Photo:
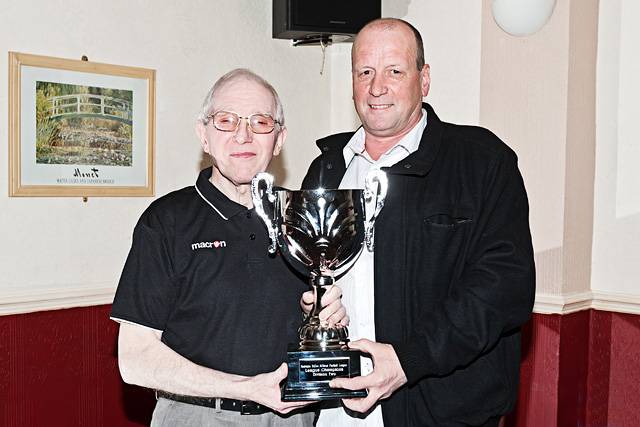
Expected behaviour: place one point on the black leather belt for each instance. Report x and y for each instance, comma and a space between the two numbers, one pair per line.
245, 407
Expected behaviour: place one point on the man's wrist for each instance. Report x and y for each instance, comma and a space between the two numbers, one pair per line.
241, 388
412, 365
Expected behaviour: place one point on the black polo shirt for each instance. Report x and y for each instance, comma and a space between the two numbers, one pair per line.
199, 271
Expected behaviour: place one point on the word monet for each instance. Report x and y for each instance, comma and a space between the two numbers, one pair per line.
92, 173
214, 244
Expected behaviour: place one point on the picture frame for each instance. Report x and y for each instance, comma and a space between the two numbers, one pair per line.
80, 128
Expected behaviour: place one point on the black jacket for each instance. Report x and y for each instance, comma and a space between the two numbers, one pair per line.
454, 273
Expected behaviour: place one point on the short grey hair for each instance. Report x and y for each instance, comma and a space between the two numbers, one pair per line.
239, 73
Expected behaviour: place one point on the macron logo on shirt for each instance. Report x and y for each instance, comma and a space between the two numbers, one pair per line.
215, 244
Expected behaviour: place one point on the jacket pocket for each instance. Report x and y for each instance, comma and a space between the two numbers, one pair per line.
444, 238
448, 218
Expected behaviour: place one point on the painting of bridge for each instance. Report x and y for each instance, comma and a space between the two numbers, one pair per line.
83, 125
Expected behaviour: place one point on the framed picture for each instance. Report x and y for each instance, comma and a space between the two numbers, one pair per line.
78, 128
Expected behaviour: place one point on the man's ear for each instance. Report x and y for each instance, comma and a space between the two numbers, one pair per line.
282, 136
425, 79
201, 132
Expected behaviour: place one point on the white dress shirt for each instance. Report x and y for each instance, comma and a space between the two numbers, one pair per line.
357, 283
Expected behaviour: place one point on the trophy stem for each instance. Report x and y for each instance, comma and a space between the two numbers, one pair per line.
319, 285
313, 334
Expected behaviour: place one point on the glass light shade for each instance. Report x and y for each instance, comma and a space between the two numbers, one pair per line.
522, 17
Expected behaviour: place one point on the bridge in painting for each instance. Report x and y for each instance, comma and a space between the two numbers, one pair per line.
88, 105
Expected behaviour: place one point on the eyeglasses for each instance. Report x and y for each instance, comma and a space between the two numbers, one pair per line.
228, 121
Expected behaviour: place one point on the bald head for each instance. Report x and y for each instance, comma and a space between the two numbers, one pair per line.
394, 24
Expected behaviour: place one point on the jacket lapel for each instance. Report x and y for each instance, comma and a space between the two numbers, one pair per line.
420, 162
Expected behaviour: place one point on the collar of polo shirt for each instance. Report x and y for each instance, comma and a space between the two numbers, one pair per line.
213, 197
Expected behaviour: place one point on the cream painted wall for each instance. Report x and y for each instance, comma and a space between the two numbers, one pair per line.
54, 246
342, 113
616, 245
451, 31
578, 152
524, 101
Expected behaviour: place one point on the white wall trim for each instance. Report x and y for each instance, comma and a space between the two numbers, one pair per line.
614, 301
39, 299
597, 300
562, 304
18, 301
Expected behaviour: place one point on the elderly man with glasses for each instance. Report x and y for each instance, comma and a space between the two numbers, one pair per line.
205, 314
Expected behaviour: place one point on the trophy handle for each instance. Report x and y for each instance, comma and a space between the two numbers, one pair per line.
259, 201
376, 184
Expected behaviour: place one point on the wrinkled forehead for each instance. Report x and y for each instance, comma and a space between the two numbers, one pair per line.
244, 96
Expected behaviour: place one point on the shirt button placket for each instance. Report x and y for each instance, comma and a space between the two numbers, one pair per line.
252, 236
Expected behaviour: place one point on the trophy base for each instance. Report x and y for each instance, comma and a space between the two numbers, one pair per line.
311, 370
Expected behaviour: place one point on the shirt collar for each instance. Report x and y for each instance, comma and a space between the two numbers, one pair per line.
220, 203
410, 142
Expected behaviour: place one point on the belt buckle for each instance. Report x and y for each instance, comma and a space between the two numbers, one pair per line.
248, 407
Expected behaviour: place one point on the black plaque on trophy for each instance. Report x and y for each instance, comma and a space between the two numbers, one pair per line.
320, 233
311, 371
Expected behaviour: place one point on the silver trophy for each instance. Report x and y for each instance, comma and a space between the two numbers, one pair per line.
321, 234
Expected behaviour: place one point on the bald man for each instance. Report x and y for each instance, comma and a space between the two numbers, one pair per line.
439, 302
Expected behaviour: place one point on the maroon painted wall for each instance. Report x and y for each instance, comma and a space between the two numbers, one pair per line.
597, 412
573, 369
580, 369
59, 368
624, 377
538, 396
